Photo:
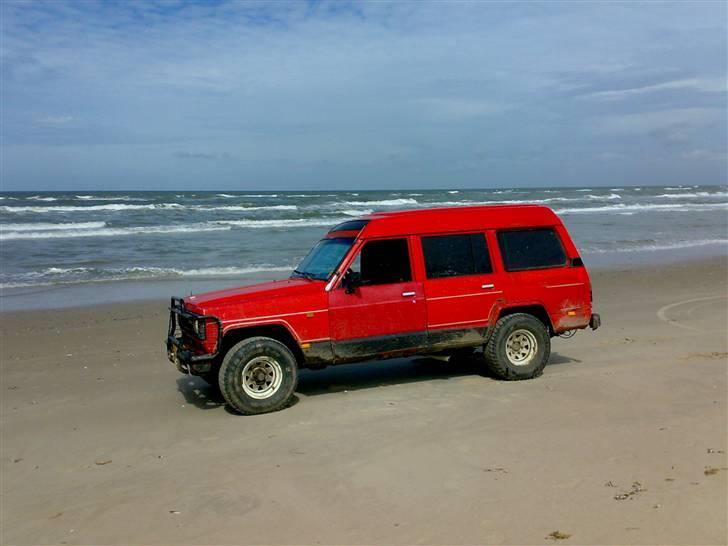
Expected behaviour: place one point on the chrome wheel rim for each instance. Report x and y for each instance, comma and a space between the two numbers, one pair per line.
262, 377
521, 347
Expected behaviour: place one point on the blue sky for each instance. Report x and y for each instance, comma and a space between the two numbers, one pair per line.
327, 95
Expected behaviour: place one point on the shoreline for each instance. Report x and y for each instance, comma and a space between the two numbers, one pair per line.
67, 296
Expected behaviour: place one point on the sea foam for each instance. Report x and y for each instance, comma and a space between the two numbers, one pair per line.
42, 226
111, 232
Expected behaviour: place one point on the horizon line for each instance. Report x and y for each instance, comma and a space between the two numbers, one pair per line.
247, 190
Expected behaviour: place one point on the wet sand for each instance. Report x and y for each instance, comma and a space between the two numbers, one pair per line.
622, 440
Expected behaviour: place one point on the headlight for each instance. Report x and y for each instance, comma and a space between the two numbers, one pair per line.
199, 328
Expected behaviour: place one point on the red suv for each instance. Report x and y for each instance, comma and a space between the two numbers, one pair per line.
432, 281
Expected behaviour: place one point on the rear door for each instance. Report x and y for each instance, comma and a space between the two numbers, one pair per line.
386, 314
460, 286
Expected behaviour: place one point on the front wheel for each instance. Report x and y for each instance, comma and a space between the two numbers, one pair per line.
258, 375
518, 348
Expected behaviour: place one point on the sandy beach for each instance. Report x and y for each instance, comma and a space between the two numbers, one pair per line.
622, 440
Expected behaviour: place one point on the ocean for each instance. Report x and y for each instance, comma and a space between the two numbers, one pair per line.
70, 248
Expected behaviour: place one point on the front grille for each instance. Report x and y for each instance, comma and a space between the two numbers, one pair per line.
182, 328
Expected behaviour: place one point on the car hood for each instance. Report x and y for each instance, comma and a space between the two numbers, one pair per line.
208, 303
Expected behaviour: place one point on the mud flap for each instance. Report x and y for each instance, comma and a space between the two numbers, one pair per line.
595, 321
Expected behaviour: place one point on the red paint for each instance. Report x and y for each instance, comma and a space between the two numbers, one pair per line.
311, 313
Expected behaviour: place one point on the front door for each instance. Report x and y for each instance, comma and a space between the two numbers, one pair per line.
386, 313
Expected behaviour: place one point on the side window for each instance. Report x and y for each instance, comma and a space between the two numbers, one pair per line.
383, 262
455, 255
531, 249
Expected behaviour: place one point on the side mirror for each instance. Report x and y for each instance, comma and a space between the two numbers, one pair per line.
351, 281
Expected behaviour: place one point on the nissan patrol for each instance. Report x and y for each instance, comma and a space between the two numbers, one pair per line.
505, 278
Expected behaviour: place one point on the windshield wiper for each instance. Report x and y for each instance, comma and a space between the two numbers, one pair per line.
306, 275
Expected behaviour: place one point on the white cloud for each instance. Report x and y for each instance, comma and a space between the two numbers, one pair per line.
462, 108
611, 156
647, 122
55, 120
693, 84
705, 155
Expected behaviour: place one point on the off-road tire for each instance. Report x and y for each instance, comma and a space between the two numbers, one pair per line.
497, 360
266, 351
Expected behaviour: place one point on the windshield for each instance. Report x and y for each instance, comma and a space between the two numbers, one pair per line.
323, 259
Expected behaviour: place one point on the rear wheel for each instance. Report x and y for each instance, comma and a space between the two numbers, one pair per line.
518, 348
258, 375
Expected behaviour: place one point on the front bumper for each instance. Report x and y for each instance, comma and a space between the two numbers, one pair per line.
595, 321
178, 351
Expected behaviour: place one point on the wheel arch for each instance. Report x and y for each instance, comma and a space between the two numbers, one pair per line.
276, 331
536, 309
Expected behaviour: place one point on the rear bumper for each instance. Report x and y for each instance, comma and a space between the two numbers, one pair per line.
595, 321
178, 352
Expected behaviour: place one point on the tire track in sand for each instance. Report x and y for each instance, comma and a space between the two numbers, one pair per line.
662, 312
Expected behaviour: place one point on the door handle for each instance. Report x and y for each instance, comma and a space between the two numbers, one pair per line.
490, 285
408, 294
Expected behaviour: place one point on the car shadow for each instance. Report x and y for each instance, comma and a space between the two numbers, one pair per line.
557, 358
359, 376
376, 373
370, 374
197, 392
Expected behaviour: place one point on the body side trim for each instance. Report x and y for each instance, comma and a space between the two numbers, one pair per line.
564, 285
446, 324
317, 340
372, 304
465, 295
248, 319
278, 322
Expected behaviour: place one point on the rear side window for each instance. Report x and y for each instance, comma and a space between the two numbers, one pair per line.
531, 249
455, 255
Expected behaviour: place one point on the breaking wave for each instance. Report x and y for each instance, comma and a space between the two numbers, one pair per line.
152, 206
109, 198
352, 212
75, 275
609, 197
382, 203
693, 195
273, 224
664, 246
42, 226
242, 208
621, 208
110, 232
77, 208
